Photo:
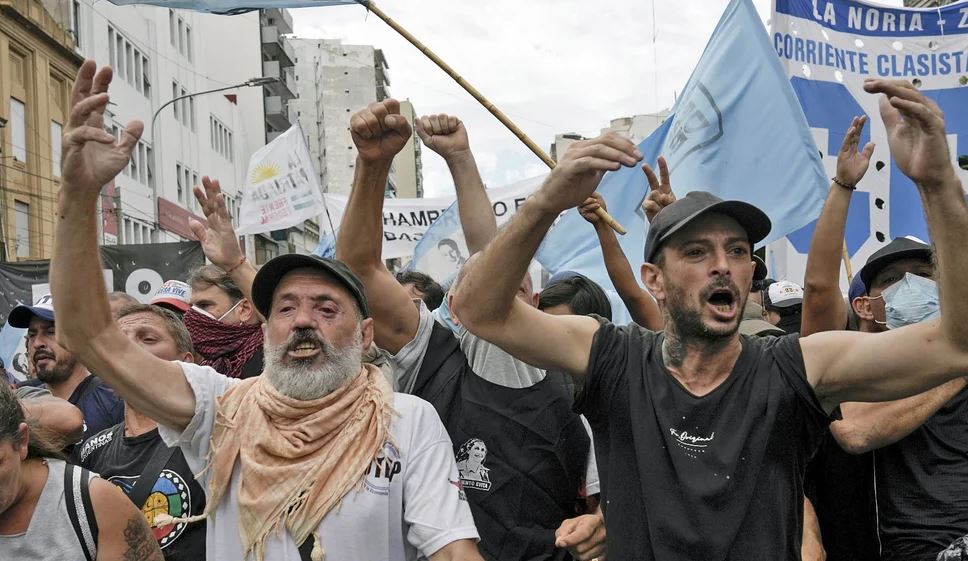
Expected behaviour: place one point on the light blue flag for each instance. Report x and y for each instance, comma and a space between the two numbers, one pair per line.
238, 6
737, 131
13, 351
327, 246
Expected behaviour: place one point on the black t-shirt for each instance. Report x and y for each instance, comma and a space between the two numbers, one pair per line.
521, 452
717, 477
922, 486
121, 460
841, 487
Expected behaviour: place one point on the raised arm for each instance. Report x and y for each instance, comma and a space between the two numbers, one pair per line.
641, 306
56, 415
446, 135
91, 158
379, 132
484, 299
219, 240
902, 362
869, 426
823, 305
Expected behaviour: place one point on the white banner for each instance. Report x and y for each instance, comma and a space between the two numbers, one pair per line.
828, 48
281, 188
406, 220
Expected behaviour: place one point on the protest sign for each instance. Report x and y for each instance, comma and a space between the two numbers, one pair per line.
827, 49
138, 270
406, 220
281, 188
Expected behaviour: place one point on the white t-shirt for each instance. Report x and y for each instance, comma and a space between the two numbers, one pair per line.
409, 506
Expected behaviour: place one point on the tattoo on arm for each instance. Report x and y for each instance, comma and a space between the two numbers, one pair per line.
140, 544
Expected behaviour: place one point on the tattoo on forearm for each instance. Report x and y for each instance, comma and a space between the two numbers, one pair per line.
140, 543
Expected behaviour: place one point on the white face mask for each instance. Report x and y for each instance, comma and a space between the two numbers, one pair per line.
220, 318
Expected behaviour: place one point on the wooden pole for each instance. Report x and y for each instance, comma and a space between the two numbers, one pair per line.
846, 257
372, 7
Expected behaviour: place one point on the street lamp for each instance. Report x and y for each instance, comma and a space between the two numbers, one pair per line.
251, 82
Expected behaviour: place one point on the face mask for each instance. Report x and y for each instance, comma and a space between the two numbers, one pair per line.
210, 316
911, 300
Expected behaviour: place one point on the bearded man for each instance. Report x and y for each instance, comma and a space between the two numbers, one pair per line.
316, 458
702, 434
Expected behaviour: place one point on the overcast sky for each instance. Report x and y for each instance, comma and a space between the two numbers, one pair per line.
553, 66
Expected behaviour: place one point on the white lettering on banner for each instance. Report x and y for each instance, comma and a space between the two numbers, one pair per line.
827, 63
406, 220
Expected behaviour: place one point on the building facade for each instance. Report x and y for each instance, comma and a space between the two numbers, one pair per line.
635, 128
407, 166
38, 62
334, 80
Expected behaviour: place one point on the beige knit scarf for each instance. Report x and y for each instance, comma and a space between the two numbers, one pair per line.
297, 458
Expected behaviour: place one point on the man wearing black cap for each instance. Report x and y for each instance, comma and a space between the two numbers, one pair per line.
317, 457
61, 372
920, 470
702, 435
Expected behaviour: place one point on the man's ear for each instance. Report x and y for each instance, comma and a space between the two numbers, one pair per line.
187, 357
652, 279
246, 311
535, 298
862, 307
450, 308
366, 327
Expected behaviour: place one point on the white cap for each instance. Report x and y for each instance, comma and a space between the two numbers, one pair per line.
174, 294
784, 293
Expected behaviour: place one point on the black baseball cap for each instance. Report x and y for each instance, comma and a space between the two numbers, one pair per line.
760, 272
899, 248
272, 272
674, 217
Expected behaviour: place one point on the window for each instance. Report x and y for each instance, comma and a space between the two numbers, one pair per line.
177, 104
18, 129
191, 111
221, 139
181, 186
129, 63
112, 49
56, 131
181, 35
188, 42
22, 228
172, 29
76, 21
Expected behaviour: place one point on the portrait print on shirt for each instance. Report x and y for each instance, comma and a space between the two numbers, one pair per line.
470, 465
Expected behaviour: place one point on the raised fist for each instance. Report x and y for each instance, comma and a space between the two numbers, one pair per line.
379, 131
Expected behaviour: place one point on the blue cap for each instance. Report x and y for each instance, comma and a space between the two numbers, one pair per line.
42, 308
856, 290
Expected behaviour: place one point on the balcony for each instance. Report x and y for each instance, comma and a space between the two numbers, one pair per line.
276, 46
382, 76
285, 86
277, 113
278, 17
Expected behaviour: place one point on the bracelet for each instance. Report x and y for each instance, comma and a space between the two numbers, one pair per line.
844, 184
239, 264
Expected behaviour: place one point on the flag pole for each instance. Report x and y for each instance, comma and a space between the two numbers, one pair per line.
372, 7
845, 255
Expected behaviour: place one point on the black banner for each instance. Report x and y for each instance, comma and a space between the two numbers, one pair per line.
139, 270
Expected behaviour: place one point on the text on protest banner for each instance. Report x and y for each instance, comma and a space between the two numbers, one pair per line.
406, 220
827, 49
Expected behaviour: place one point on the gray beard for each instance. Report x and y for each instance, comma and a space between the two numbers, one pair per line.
306, 381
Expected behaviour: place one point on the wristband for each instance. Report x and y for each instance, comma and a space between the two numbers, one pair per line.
239, 264
844, 184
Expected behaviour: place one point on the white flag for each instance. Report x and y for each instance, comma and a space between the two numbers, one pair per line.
281, 187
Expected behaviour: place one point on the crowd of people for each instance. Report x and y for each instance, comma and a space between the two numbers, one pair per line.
320, 408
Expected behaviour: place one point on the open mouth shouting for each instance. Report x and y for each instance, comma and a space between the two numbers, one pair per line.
304, 345
723, 303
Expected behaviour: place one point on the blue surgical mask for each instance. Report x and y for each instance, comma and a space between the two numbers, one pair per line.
911, 300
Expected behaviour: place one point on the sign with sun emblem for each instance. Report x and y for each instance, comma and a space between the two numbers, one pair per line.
282, 188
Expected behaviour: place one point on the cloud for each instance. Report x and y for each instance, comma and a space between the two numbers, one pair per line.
552, 66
